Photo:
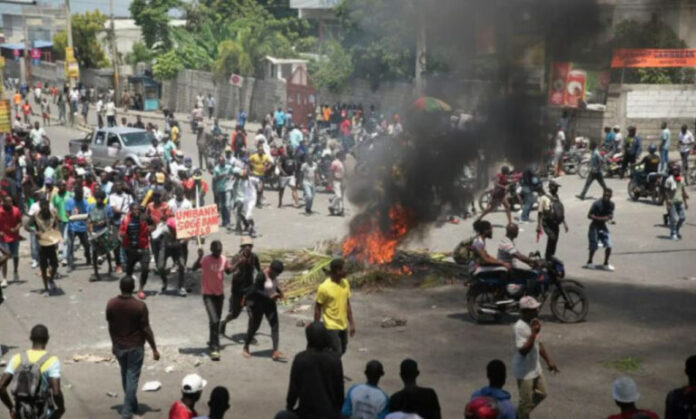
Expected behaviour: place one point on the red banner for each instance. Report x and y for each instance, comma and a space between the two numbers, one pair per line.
642, 58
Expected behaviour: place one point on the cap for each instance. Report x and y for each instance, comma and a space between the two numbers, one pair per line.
246, 241
159, 177
228, 149
625, 390
529, 303
192, 383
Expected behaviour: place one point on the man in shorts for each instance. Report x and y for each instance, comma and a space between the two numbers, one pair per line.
601, 213
10, 223
259, 163
288, 171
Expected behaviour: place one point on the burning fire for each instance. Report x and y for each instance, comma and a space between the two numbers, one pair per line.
369, 243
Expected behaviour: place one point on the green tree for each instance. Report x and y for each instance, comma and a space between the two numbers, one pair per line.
153, 18
88, 51
167, 65
334, 67
139, 53
654, 34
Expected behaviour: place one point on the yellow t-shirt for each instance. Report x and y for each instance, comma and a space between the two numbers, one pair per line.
258, 164
333, 298
174, 133
49, 369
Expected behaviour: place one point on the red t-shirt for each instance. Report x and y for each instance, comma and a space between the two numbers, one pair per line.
629, 415
180, 411
159, 213
8, 220
212, 274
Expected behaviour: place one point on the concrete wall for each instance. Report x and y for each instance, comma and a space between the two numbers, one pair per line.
389, 97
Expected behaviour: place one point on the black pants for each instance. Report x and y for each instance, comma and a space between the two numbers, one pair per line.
591, 178
134, 256
551, 230
48, 256
84, 241
627, 159
338, 340
178, 255
258, 311
213, 306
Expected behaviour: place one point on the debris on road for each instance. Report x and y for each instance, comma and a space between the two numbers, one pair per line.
152, 386
91, 358
169, 369
111, 394
300, 308
302, 323
389, 322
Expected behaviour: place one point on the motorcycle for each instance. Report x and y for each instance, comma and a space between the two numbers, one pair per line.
513, 192
644, 184
492, 294
570, 161
611, 165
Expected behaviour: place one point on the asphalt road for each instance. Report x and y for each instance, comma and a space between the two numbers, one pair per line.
644, 311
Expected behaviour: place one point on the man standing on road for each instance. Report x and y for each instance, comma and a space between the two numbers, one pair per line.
367, 401
288, 173
676, 201
495, 371
337, 173
309, 180
10, 223
601, 212
259, 164
135, 240
214, 267
333, 307
210, 104
551, 216
422, 401
595, 171
49, 399
221, 177
686, 139
665, 140
681, 402
526, 365
632, 149
110, 112
560, 141
129, 328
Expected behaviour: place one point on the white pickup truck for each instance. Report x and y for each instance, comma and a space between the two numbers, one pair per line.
116, 143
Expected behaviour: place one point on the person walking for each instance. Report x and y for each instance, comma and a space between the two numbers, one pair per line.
495, 371
213, 269
58, 201
595, 171
551, 216
78, 210
676, 200
559, 140
99, 226
210, 104
681, 402
191, 389
625, 394
526, 364
43, 401
221, 176
413, 398
129, 329
245, 267
632, 149
665, 141
316, 378
261, 300
135, 240
332, 306
46, 223
10, 223
601, 213
309, 180
110, 112
530, 184
686, 141
337, 174
367, 401
287, 164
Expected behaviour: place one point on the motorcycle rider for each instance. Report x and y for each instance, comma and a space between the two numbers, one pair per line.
632, 149
482, 261
507, 252
651, 163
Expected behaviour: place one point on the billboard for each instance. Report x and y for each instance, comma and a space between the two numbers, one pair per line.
642, 58
573, 85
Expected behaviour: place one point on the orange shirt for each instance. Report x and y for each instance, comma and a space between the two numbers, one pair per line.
17, 98
327, 114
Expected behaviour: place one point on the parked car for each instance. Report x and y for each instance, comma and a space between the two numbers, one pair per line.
116, 143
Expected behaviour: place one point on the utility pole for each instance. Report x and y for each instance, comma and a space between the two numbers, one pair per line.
114, 54
23, 64
421, 48
68, 33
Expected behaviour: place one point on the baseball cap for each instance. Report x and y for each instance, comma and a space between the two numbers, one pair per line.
529, 303
192, 383
246, 241
159, 177
625, 390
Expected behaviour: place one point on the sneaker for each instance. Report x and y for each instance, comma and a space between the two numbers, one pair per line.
34, 264
589, 266
63, 262
215, 355
3, 283
182, 292
608, 267
15, 277
679, 236
223, 326
580, 197
674, 237
141, 295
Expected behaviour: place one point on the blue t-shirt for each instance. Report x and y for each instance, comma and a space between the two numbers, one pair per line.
600, 208
365, 401
82, 208
609, 139
279, 117
241, 118
288, 118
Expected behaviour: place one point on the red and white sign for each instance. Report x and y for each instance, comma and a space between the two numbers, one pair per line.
236, 80
197, 222
35, 54
15, 53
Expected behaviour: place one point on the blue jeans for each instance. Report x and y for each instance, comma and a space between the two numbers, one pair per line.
131, 362
664, 160
34, 241
221, 198
676, 217
308, 190
64, 234
528, 198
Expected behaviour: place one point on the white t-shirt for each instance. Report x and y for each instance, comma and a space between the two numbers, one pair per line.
74, 95
100, 105
37, 136
110, 109
685, 141
175, 205
365, 401
120, 202
619, 142
506, 250
560, 140
525, 367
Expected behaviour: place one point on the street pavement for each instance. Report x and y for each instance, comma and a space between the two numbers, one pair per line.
642, 314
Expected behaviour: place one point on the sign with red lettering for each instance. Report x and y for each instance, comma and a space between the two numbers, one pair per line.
35, 54
197, 222
642, 58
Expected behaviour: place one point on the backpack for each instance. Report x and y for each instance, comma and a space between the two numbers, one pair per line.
31, 401
463, 254
556, 213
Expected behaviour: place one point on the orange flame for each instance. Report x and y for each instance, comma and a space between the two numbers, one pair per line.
370, 244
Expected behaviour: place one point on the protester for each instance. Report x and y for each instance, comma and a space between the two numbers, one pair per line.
595, 171
495, 371
686, 141
210, 104
287, 165
601, 213
316, 378
46, 223
560, 141
632, 149
530, 184
259, 163
367, 401
551, 216
309, 180
245, 266
332, 306
129, 329
681, 402
10, 223
625, 394
191, 389
413, 398
676, 200
213, 268
134, 233
481, 260
99, 226
499, 195
665, 140
58, 201
337, 174
175, 249
218, 404
221, 177
526, 365
45, 400
261, 300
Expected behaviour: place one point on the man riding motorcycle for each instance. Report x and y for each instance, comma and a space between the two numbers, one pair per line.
482, 261
507, 253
